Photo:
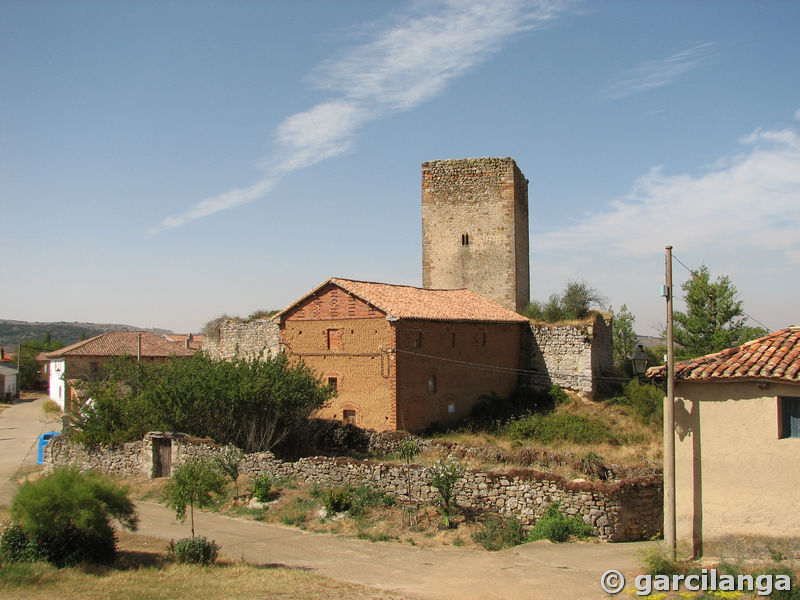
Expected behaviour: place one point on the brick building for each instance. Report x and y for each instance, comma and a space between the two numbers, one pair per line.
403, 357
88, 359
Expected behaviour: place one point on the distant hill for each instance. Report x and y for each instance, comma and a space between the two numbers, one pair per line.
14, 332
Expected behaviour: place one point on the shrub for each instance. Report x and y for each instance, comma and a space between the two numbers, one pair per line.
443, 477
656, 561
498, 533
194, 550
262, 488
557, 527
228, 461
560, 427
67, 518
337, 500
646, 400
15, 544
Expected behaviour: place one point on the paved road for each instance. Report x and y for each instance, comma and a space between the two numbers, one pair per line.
20, 427
530, 572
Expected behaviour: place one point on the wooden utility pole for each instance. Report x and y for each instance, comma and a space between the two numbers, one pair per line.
669, 423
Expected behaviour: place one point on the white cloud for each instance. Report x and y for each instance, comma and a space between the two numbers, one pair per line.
739, 217
658, 73
752, 197
404, 63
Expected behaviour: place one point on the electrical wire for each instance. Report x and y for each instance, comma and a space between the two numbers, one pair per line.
695, 274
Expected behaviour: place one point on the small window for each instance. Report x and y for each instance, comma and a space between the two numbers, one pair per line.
789, 417
432, 384
465, 239
416, 339
452, 339
349, 416
334, 339
94, 367
333, 382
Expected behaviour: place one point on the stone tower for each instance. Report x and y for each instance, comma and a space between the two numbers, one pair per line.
475, 228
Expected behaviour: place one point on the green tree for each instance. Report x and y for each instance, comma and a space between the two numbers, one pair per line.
714, 319
67, 516
29, 367
229, 461
624, 338
194, 483
252, 404
573, 303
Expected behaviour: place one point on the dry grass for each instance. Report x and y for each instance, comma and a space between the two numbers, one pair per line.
143, 571
51, 409
748, 547
638, 444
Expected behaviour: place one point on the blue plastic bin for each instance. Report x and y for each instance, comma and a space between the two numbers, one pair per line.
44, 439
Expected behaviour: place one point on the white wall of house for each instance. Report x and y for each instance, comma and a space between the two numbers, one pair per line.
57, 384
735, 475
9, 385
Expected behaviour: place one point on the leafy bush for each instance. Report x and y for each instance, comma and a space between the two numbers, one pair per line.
194, 550
15, 544
262, 488
228, 460
492, 412
337, 500
253, 404
65, 518
656, 561
498, 533
557, 527
647, 401
443, 477
559, 427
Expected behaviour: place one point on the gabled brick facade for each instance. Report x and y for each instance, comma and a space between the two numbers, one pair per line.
403, 372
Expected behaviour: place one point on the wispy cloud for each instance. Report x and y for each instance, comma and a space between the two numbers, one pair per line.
654, 74
405, 62
751, 197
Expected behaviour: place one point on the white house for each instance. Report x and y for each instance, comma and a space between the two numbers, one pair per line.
8, 382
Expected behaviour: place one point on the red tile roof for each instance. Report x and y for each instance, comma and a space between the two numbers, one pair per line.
775, 356
120, 343
195, 341
408, 302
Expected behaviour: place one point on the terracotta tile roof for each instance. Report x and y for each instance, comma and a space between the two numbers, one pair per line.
775, 356
408, 302
195, 341
119, 343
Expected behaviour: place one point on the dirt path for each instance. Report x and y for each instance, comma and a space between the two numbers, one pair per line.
20, 427
533, 571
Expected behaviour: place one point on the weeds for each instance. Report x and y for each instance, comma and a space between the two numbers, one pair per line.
498, 533
557, 527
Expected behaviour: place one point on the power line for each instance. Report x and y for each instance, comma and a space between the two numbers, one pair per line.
695, 274
514, 370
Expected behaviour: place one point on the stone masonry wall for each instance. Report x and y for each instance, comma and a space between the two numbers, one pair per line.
245, 339
619, 511
570, 356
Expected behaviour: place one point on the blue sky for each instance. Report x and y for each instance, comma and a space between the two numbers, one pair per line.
162, 163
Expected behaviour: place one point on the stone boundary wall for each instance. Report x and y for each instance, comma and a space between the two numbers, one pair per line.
569, 356
245, 339
618, 511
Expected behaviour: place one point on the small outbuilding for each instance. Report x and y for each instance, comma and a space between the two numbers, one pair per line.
737, 420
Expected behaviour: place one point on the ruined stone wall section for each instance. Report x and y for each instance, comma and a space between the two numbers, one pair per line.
246, 339
486, 200
569, 356
619, 511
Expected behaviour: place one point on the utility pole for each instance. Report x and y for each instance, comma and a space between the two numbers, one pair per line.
669, 422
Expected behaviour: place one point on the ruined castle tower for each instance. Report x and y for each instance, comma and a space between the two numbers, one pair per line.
475, 228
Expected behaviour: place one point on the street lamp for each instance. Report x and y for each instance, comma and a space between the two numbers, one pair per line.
639, 361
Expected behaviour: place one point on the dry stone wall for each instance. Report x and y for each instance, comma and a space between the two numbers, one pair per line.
246, 339
619, 511
569, 356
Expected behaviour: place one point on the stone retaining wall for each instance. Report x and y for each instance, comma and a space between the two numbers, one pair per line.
618, 511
